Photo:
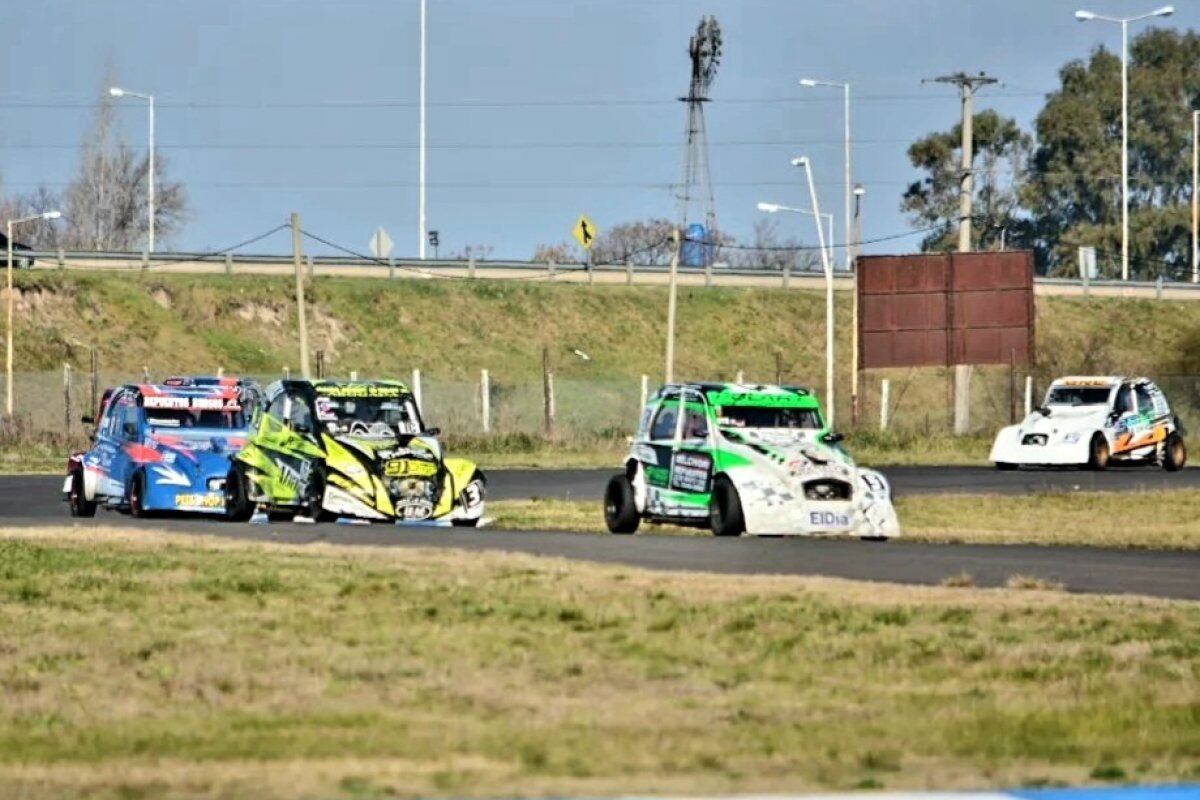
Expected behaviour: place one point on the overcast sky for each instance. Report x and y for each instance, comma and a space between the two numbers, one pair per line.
539, 109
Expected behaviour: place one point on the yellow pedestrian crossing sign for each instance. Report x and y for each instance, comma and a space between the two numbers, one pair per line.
585, 232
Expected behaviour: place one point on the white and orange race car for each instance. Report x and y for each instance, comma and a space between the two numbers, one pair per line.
1094, 421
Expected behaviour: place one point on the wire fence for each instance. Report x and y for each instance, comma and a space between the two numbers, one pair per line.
50, 405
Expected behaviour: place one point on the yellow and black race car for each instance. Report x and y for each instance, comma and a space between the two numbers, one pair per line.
350, 449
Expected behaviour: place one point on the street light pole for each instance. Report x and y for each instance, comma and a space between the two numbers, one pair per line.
116, 91
1085, 16
421, 156
8, 361
845, 87
803, 161
859, 192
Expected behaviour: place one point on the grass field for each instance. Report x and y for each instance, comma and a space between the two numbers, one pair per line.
137, 665
1158, 520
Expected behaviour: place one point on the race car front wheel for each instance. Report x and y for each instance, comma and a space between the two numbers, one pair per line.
137, 496
1174, 454
238, 506
77, 500
620, 508
725, 509
1098, 453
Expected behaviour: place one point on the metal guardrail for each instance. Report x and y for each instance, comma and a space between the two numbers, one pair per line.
514, 269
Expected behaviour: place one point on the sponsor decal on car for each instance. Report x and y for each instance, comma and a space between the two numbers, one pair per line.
690, 472
828, 520
207, 500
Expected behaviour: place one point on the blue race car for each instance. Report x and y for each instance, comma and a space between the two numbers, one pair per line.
160, 447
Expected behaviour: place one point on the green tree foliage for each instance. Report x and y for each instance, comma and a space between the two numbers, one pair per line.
1074, 186
1000, 150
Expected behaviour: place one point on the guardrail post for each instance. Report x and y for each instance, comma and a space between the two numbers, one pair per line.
707, 273
471, 267
1158, 287
885, 391
550, 269
309, 261
787, 275
229, 263
145, 259
391, 266
629, 273
62, 259
485, 400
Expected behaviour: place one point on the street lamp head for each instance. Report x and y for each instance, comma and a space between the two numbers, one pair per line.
859, 190
770, 208
1165, 11
800, 161
51, 214
1084, 16
116, 91
809, 82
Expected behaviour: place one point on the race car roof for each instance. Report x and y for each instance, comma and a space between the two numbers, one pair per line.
730, 394
207, 398
1088, 380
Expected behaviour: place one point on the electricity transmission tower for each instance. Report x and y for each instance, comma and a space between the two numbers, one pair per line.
696, 191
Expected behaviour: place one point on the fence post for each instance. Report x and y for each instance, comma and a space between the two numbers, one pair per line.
287, 373
1012, 386
485, 400
320, 365
416, 389
220, 372
145, 374
707, 272
787, 274
778, 368
962, 399
885, 391
628, 273
145, 259
741, 377
353, 374
391, 266
95, 382
311, 268
645, 392
471, 266
550, 269
67, 398
62, 259
1028, 394
1158, 287
547, 392
229, 263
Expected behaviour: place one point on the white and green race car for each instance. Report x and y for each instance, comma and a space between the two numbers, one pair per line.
745, 459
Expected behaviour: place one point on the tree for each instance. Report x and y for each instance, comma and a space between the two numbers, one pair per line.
640, 242
561, 253
771, 251
1074, 186
105, 205
1000, 151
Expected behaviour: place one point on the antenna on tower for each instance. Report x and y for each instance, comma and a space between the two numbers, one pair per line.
696, 192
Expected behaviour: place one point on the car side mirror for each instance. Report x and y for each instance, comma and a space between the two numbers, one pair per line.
431, 432
833, 437
87, 419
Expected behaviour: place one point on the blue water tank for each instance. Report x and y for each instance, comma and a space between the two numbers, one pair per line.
697, 249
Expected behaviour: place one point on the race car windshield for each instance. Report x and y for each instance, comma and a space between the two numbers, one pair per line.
183, 418
1078, 396
366, 415
760, 417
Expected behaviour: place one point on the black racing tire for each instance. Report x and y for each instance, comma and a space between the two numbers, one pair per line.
280, 515
137, 495
311, 506
1005, 466
725, 509
620, 508
238, 506
1174, 455
77, 500
465, 523
1099, 453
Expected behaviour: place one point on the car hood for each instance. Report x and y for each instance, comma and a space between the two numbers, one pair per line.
197, 453
1066, 418
798, 453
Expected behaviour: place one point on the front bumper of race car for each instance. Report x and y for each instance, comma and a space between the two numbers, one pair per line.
777, 507
196, 489
1058, 451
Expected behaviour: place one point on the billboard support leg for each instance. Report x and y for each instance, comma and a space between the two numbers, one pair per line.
962, 399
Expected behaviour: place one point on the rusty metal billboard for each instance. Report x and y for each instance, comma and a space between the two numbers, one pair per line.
940, 309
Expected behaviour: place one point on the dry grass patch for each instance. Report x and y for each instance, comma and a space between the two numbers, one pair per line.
139, 664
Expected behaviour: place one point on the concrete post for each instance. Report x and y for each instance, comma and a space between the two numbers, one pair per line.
962, 399
1028, 394
416, 388
485, 400
885, 399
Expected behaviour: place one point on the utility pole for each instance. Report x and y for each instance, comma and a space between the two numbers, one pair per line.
1195, 199
967, 85
669, 369
300, 318
421, 156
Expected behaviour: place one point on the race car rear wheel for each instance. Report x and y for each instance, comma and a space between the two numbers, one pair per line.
77, 500
238, 506
725, 509
1005, 466
620, 507
1098, 453
137, 495
1174, 455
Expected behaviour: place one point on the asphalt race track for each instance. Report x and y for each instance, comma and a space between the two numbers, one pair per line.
35, 500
